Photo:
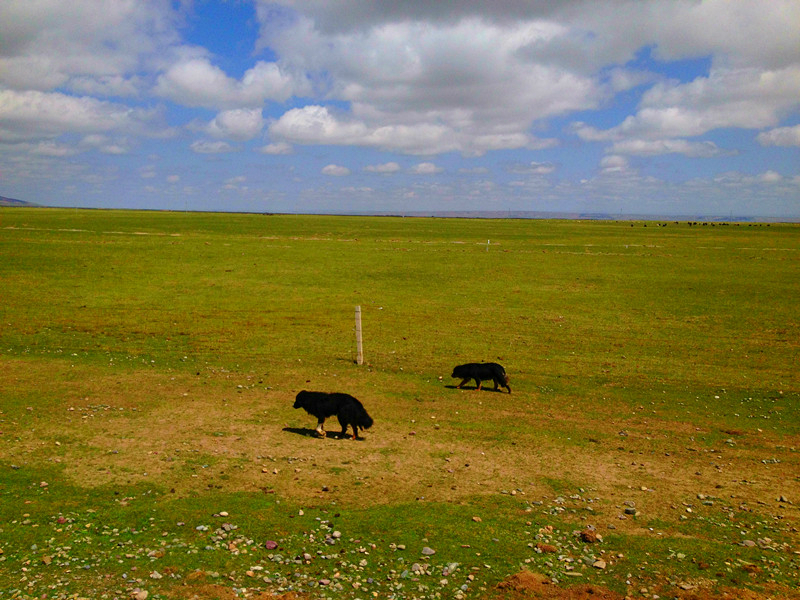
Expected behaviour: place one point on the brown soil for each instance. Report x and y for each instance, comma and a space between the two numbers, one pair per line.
528, 586
232, 432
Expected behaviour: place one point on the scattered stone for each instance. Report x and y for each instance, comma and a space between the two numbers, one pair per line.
428, 551
549, 548
748, 543
140, 594
270, 545
599, 564
590, 536
477, 519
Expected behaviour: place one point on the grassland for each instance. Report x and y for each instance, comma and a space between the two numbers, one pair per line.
148, 363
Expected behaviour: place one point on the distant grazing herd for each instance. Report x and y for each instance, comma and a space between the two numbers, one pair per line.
351, 412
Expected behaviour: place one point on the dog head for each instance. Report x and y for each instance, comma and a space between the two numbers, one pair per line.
460, 371
299, 401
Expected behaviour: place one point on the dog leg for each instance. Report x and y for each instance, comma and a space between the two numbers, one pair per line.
460, 385
320, 428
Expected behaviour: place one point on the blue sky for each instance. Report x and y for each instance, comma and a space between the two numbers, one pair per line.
616, 106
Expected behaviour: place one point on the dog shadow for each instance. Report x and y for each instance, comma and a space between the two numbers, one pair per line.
312, 433
473, 388
302, 431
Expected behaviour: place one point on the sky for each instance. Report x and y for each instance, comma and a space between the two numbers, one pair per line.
352, 106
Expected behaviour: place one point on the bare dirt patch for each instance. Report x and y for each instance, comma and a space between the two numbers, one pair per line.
526, 585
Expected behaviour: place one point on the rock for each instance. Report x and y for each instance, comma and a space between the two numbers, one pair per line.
599, 564
428, 551
270, 545
784, 499
549, 548
477, 519
449, 569
140, 594
590, 537
748, 543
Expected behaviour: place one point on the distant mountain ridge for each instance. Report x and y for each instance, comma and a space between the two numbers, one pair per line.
504, 214
14, 202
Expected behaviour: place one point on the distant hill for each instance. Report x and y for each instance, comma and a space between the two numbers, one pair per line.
12, 202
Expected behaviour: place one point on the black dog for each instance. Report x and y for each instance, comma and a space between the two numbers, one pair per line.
481, 372
323, 405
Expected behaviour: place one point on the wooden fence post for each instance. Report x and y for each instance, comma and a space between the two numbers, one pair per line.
359, 343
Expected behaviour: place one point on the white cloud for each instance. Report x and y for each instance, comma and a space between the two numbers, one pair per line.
385, 168
734, 179
33, 114
335, 171
782, 136
276, 148
318, 125
534, 168
636, 147
173, 178
238, 124
426, 168
206, 147
105, 144
196, 82
473, 78
90, 46
315, 124
461, 85
770, 177
742, 98
54, 149
107, 85
614, 164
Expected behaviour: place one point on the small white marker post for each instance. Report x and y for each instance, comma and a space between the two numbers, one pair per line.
359, 343
487, 244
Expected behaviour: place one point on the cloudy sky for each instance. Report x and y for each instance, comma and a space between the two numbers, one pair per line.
620, 106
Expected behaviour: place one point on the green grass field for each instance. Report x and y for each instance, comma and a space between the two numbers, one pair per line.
149, 361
